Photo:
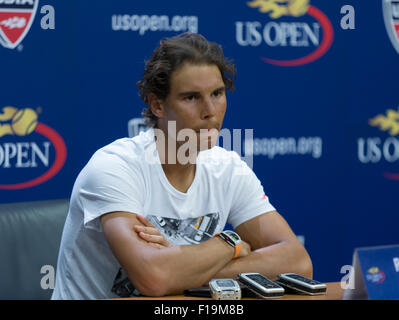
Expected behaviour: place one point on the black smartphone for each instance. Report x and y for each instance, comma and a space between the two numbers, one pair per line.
301, 284
260, 285
198, 292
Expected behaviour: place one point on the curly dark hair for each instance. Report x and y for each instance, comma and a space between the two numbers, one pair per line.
170, 55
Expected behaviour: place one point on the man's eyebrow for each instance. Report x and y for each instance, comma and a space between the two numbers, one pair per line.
193, 93
220, 88
188, 93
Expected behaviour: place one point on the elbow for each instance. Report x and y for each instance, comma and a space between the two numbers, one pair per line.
152, 283
305, 266
299, 261
151, 289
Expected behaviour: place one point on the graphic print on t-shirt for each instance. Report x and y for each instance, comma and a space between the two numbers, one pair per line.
192, 230
177, 232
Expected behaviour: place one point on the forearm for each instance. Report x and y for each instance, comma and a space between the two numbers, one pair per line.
282, 257
189, 266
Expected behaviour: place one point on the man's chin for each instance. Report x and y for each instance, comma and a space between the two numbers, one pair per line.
207, 139
206, 148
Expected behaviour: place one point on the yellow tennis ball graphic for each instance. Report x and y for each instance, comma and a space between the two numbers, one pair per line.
24, 122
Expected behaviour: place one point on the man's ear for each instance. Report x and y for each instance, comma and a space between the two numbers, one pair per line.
156, 105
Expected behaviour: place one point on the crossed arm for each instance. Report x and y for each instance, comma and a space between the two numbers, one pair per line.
156, 268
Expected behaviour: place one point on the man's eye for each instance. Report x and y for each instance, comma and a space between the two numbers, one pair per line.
218, 93
189, 98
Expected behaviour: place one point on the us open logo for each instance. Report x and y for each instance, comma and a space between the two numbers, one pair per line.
391, 19
16, 18
375, 275
31, 152
294, 31
382, 150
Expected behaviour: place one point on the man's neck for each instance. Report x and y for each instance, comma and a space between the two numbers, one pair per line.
179, 175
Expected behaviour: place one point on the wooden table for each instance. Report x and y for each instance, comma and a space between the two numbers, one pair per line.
334, 292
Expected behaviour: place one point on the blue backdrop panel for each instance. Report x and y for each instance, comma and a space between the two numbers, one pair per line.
322, 101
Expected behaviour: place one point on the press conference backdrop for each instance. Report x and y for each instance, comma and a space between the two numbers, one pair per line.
317, 82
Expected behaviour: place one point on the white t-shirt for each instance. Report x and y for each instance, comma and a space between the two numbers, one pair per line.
126, 175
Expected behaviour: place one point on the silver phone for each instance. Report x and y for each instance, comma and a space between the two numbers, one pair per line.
260, 285
225, 289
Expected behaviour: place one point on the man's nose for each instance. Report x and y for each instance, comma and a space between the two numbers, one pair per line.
208, 108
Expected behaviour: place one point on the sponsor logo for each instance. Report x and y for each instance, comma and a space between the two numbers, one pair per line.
290, 24
16, 18
375, 275
285, 146
382, 150
19, 153
388, 122
391, 19
144, 23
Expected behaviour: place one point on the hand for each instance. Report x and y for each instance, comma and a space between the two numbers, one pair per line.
245, 249
148, 232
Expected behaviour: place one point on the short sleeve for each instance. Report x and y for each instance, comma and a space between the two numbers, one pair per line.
249, 199
109, 184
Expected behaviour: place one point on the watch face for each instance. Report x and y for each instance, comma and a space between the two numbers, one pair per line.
233, 235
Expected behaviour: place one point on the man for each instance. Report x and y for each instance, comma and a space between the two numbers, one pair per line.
139, 225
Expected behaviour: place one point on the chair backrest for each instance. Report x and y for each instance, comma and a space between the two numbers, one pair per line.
30, 236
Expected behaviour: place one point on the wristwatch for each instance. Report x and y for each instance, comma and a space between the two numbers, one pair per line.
233, 239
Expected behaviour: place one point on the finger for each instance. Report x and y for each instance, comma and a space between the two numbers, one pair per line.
156, 245
145, 221
151, 238
152, 244
155, 239
149, 230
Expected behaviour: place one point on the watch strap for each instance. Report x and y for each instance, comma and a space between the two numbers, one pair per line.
237, 247
237, 250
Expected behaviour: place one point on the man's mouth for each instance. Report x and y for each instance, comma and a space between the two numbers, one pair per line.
205, 130
206, 134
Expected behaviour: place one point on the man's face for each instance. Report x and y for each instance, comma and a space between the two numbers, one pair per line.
196, 101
